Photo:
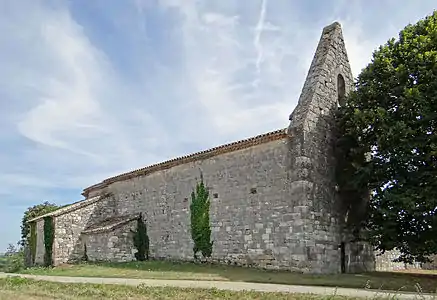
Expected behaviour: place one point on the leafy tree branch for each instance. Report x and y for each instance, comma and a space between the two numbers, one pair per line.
392, 116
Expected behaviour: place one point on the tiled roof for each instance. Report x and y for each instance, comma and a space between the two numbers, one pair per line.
67, 209
242, 144
110, 224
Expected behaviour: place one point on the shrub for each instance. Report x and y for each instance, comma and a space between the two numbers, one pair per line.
49, 236
141, 240
200, 227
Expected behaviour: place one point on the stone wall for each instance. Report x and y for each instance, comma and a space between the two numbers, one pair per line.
252, 218
111, 245
68, 245
255, 216
384, 262
359, 258
40, 249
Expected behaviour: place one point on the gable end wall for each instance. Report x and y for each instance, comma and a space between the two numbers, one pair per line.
68, 243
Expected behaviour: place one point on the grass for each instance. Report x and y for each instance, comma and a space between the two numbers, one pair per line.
27, 289
395, 281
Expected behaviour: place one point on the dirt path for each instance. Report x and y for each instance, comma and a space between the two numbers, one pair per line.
232, 286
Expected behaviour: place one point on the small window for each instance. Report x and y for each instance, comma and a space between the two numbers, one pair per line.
253, 190
215, 195
341, 90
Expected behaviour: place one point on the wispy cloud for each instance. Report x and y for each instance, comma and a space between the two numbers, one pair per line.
223, 54
88, 90
70, 97
258, 31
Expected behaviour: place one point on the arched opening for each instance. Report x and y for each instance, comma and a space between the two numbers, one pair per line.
341, 90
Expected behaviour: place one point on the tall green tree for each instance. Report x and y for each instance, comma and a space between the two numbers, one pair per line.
200, 224
33, 212
388, 142
141, 240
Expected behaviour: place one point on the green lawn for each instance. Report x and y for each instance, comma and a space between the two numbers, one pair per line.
26, 289
188, 271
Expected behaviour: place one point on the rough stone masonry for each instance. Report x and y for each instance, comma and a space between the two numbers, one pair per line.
273, 197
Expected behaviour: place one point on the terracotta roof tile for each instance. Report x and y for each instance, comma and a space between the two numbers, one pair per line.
242, 144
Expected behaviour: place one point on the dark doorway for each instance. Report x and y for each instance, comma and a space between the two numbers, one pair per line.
343, 257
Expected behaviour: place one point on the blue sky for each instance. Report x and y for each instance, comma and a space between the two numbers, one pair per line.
93, 88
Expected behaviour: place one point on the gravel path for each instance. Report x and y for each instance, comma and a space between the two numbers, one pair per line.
232, 286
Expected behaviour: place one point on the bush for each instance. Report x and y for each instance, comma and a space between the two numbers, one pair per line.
200, 224
11, 263
141, 240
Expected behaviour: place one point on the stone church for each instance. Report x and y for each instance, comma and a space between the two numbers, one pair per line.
273, 196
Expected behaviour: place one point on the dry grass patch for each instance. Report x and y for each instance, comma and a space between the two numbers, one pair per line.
20, 288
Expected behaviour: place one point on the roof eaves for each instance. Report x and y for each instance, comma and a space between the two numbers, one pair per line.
64, 210
226, 148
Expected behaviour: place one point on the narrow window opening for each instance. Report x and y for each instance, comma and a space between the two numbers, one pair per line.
341, 90
253, 190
